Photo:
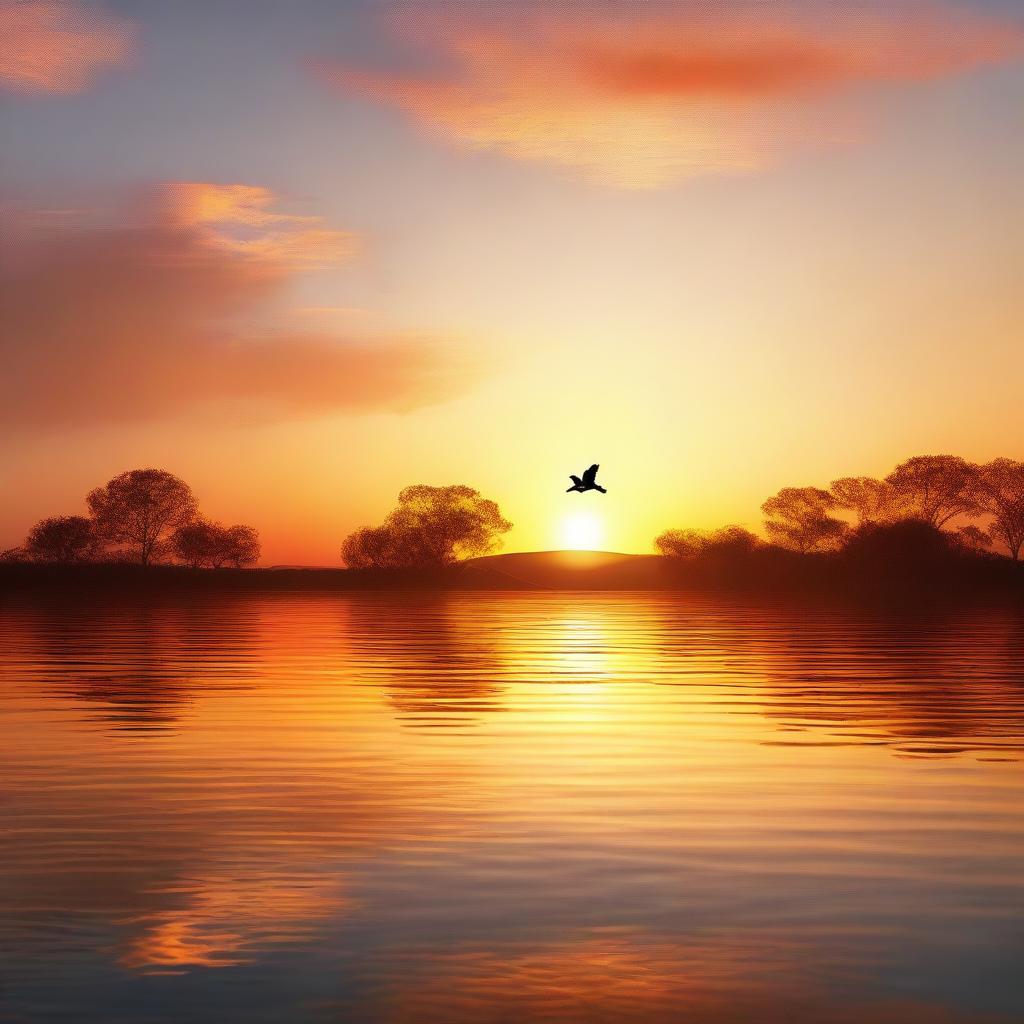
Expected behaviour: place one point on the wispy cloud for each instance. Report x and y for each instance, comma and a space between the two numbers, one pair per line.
243, 219
140, 319
56, 46
642, 99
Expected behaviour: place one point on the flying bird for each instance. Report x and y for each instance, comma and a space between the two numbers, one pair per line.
587, 482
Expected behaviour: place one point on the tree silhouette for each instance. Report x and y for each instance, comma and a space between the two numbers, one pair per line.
431, 527
681, 543
374, 547
728, 541
1000, 493
205, 543
61, 539
936, 488
242, 546
974, 538
798, 518
193, 542
140, 509
871, 500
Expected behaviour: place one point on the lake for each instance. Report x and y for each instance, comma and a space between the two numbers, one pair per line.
509, 807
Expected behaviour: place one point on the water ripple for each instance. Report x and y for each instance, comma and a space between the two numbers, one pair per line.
508, 807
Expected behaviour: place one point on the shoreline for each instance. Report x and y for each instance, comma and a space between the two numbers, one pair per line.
817, 579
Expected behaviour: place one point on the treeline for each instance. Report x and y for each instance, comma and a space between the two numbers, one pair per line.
143, 517
929, 503
928, 509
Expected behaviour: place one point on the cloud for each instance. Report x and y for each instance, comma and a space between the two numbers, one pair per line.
142, 320
649, 98
241, 219
54, 46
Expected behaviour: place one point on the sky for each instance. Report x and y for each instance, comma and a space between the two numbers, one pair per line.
305, 254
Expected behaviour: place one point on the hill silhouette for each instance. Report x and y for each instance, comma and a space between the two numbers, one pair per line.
573, 570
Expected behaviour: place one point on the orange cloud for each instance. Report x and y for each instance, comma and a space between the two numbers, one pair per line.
141, 320
240, 219
54, 46
649, 99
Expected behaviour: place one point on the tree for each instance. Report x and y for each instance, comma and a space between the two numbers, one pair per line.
61, 539
733, 540
798, 518
194, 543
936, 488
681, 543
728, 541
431, 527
973, 538
242, 546
141, 509
374, 547
1000, 493
204, 543
871, 500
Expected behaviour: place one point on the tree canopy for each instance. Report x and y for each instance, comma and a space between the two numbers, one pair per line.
431, 527
870, 500
798, 518
1000, 493
935, 488
202, 543
61, 539
140, 509
724, 542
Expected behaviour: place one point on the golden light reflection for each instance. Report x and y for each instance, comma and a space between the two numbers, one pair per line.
609, 776
581, 648
226, 920
624, 976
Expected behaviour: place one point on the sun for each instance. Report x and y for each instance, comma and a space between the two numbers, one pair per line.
581, 531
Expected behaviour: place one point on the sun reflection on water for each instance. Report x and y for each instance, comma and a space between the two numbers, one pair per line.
581, 806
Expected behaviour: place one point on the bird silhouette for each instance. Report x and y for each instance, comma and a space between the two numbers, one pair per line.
586, 482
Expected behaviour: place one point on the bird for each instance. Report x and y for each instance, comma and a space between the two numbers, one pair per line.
587, 482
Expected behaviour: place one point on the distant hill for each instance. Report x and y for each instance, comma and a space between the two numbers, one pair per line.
569, 570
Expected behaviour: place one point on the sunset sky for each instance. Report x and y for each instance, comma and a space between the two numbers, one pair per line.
305, 253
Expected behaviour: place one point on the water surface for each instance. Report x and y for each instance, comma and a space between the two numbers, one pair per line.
490, 808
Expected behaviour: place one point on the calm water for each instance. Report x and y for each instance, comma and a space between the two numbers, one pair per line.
547, 807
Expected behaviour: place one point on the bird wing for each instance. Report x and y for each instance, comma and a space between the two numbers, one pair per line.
588, 476
576, 480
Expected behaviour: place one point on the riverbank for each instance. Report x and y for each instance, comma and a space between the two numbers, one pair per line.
767, 572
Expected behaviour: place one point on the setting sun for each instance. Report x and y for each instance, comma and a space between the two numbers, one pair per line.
581, 531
